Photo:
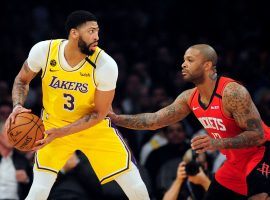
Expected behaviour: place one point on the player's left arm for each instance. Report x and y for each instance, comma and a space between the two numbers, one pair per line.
103, 101
106, 74
237, 101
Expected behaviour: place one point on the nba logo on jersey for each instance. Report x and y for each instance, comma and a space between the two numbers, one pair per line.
214, 107
53, 63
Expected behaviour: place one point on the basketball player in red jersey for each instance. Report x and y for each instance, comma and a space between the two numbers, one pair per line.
226, 110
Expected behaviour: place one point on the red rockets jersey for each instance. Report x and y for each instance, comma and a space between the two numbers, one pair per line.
239, 162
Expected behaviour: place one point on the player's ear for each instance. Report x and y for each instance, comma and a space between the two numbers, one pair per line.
74, 33
208, 65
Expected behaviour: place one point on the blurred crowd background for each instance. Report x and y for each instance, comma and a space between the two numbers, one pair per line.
148, 40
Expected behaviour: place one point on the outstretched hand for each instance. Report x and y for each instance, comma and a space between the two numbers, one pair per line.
50, 135
111, 114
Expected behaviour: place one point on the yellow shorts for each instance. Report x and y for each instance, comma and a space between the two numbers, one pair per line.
102, 144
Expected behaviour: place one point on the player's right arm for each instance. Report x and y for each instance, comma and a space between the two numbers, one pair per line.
34, 63
174, 112
21, 85
19, 92
237, 103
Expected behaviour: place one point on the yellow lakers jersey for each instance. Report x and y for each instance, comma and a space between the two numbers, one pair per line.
68, 95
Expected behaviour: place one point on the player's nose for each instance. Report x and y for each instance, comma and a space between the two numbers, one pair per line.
183, 65
96, 37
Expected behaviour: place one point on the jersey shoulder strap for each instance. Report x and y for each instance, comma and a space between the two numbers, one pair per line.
92, 59
223, 81
194, 95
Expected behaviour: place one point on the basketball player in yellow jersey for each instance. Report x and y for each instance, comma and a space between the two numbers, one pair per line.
78, 86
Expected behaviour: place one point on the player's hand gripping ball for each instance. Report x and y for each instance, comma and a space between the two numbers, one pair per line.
25, 131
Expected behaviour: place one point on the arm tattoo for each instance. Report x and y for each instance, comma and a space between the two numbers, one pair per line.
255, 124
19, 91
238, 102
20, 87
168, 115
80, 124
253, 136
89, 117
138, 122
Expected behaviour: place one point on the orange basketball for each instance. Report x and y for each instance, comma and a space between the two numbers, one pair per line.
25, 131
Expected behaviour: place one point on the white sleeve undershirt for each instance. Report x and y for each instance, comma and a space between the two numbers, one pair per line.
38, 56
106, 71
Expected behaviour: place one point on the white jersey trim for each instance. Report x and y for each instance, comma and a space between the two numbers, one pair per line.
106, 71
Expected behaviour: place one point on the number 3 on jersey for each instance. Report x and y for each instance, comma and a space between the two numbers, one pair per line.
69, 105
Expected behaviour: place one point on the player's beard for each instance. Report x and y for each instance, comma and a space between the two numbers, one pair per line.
196, 79
84, 48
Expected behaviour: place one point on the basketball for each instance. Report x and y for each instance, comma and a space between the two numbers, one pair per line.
25, 131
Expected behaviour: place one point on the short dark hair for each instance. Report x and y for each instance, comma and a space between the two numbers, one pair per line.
208, 52
78, 18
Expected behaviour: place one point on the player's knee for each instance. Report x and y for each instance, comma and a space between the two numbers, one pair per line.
140, 192
38, 192
261, 196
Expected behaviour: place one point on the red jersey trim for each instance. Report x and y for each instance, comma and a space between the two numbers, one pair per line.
224, 82
192, 97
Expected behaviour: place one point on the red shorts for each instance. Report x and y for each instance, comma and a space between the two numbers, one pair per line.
247, 179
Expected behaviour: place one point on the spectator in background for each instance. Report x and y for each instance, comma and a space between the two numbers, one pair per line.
159, 96
191, 185
141, 69
175, 148
4, 92
132, 93
5, 110
156, 141
195, 185
15, 170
